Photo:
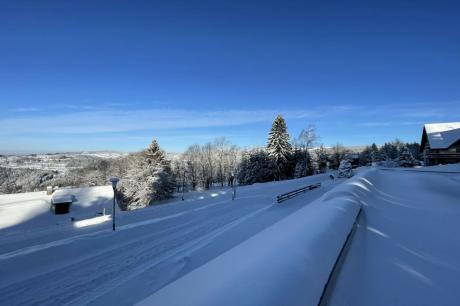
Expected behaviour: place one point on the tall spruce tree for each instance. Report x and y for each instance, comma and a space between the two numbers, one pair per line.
278, 146
154, 154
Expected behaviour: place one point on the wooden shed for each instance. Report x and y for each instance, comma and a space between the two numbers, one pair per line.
60, 203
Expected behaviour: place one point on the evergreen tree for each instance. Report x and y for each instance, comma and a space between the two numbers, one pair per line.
365, 157
301, 163
278, 146
390, 150
322, 158
256, 167
148, 179
301, 169
154, 155
405, 158
345, 169
414, 149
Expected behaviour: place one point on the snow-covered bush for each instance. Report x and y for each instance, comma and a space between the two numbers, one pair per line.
345, 169
149, 178
405, 158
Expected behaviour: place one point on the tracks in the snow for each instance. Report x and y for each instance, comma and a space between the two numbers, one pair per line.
80, 282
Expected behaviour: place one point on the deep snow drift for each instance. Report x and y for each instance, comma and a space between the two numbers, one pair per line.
406, 250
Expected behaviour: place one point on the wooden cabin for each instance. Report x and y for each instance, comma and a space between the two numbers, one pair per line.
441, 143
61, 202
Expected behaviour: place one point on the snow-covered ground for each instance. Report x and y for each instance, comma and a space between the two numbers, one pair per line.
210, 250
405, 250
46, 259
24, 212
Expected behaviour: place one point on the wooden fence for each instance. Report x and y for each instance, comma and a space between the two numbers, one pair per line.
286, 196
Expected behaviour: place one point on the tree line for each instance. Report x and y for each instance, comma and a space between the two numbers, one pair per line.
150, 176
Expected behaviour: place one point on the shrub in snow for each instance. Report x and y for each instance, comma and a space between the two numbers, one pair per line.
345, 169
405, 158
149, 178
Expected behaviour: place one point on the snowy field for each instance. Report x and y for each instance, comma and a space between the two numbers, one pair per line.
405, 250
210, 250
47, 260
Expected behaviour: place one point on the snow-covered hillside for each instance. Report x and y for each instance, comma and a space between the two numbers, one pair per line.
210, 250
50, 261
26, 173
59, 162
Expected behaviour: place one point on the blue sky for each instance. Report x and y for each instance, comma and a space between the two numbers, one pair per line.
95, 75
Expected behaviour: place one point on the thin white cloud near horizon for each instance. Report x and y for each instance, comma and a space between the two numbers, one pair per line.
104, 121
125, 129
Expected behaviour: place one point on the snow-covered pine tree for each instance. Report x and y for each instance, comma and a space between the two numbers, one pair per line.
301, 169
322, 158
148, 179
153, 154
375, 154
365, 156
345, 169
405, 158
256, 167
278, 146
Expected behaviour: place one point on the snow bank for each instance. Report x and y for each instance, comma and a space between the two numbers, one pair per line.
405, 250
286, 264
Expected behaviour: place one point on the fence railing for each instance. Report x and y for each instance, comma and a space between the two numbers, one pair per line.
286, 196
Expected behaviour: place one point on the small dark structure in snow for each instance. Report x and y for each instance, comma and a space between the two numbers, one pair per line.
441, 143
60, 203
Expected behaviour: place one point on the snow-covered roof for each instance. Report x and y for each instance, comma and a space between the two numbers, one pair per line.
62, 196
441, 135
